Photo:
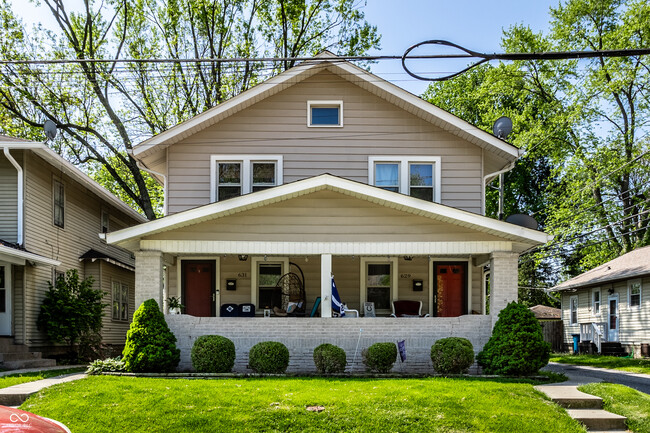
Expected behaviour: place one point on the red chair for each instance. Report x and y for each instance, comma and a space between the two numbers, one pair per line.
407, 309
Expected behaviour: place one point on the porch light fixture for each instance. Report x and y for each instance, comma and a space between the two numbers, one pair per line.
611, 290
408, 258
242, 257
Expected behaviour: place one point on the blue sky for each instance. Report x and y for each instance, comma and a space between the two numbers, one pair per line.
475, 24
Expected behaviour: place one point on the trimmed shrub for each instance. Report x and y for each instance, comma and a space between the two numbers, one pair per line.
110, 364
150, 345
329, 359
452, 355
380, 357
213, 354
517, 346
269, 357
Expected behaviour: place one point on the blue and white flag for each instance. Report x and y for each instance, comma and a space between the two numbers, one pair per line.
401, 347
337, 307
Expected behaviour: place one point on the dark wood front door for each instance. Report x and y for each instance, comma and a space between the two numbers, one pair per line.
198, 287
450, 296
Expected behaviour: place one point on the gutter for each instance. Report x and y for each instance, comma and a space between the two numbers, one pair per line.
20, 187
497, 173
145, 169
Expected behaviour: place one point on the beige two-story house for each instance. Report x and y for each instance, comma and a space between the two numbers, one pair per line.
327, 171
51, 215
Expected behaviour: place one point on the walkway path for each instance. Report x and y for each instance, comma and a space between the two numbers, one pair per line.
582, 374
17, 394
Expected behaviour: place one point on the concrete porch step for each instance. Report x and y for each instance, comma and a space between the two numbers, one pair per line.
569, 397
18, 356
598, 419
29, 363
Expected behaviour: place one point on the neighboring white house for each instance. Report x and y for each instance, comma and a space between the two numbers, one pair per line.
610, 303
330, 168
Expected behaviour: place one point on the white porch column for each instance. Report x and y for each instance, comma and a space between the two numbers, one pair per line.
148, 277
326, 285
504, 281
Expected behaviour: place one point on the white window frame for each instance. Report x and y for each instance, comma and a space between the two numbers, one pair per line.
255, 289
325, 104
363, 278
571, 299
56, 181
121, 286
246, 170
404, 163
631, 283
593, 301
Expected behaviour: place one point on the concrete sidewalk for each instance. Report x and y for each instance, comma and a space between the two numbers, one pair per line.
37, 369
17, 394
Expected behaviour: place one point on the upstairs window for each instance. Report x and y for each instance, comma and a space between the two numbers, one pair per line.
325, 113
233, 176
418, 177
58, 195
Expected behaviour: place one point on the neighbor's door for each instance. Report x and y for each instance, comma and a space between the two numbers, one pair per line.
450, 297
5, 299
199, 296
613, 320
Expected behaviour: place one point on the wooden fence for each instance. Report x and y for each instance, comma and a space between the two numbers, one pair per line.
553, 333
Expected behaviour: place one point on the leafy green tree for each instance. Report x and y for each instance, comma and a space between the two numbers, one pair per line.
72, 310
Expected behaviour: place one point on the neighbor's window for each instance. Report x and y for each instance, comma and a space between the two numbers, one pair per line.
268, 275
573, 310
378, 284
234, 176
418, 177
105, 221
325, 113
634, 293
596, 302
120, 301
59, 203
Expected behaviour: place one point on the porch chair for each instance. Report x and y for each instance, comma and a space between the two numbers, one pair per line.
407, 309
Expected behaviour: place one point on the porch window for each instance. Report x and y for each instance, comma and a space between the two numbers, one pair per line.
378, 284
595, 309
634, 294
120, 301
233, 176
418, 177
268, 276
58, 195
573, 310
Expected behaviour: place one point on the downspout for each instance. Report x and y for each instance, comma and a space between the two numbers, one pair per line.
496, 173
143, 168
20, 209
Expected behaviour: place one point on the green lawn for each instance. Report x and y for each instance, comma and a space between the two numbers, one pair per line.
110, 404
624, 401
631, 365
16, 379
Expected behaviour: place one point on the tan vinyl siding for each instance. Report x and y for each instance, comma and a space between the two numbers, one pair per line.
278, 126
114, 331
9, 196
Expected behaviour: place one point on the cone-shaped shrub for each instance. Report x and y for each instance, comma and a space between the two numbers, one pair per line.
517, 346
150, 345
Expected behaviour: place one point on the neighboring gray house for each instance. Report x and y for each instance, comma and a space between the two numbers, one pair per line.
51, 215
331, 168
609, 305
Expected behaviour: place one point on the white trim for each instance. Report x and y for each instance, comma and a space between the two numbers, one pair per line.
571, 299
326, 285
284, 261
394, 278
630, 283
593, 301
616, 334
19, 257
246, 170
404, 170
329, 104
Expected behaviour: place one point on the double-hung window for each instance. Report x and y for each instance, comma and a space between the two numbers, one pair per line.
595, 309
120, 301
58, 195
233, 176
573, 310
418, 177
634, 293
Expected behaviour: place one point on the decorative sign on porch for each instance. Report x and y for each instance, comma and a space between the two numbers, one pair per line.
369, 309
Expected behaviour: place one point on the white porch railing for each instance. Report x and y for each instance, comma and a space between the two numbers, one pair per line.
596, 332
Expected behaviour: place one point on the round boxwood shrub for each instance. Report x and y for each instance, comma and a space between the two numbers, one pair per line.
517, 346
380, 357
213, 354
329, 359
452, 355
150, 345
269, 357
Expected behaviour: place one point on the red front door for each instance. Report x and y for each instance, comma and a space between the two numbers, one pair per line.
450, 298
198, 288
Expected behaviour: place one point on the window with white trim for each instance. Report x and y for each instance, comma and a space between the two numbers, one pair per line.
634, 294
58, 199
120, 304
573, 310
595, 306
378, 284
236, 175
418, 177
325, 114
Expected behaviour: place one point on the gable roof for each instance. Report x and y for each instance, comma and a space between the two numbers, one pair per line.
364, 79
322, 182
634, 264
68, 168
542, 312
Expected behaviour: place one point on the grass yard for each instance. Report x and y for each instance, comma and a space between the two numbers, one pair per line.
624, 401
16, 379
110, 404
613, 362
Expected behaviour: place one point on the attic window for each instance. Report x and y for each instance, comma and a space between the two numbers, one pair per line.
325, 114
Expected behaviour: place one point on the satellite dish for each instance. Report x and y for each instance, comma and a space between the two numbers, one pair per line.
502, 127
50, 129
523, 220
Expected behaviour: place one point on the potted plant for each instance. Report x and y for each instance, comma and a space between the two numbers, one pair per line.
174, 305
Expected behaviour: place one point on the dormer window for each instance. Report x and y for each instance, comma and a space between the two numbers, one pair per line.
235, 175
325, 114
